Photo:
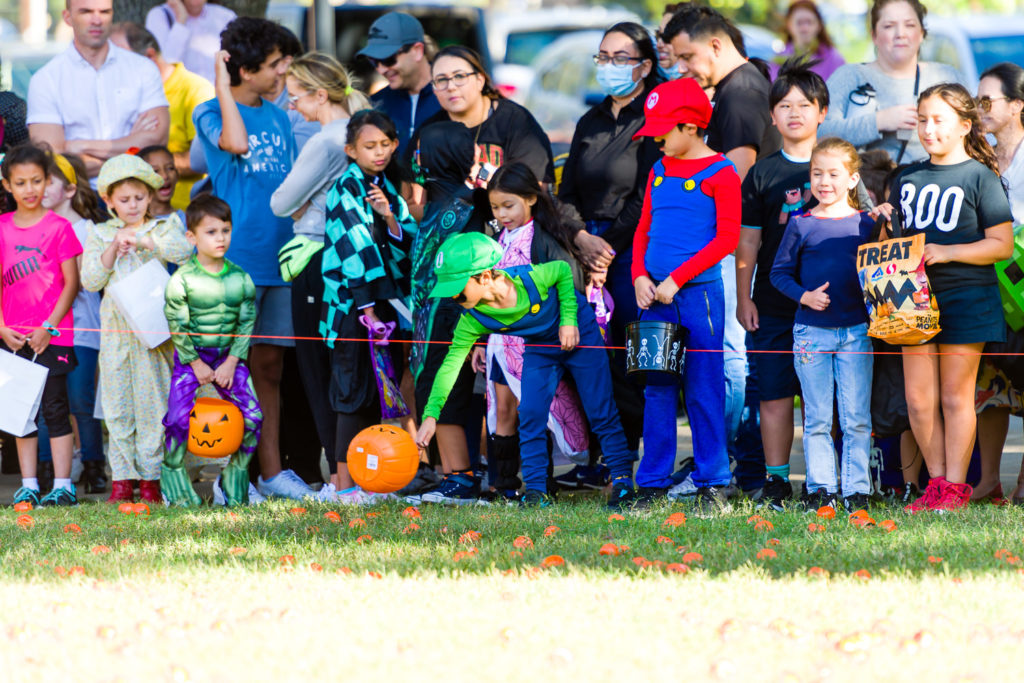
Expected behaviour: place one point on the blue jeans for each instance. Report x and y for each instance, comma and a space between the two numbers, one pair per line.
700, 309
735, 352
827, 359
82, 397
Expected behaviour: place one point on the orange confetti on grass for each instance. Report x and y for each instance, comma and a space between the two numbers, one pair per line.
286, 559
815, 528
676, 519
374, 575
237, 550
888, 525
551, 530
826, 512
616, 517
298, 512
77, 570
934, 560
464, 554
315, 567
364, 538
754, 519
859, 513
410, 527
764, 525
862, 522
766, 554
863, 574
332, 516
25, 521
816, 571
343, 570
663, 539
773, 541
126, 508
470, 537
1013, 559
515, 554
23, 506
371, 515
72, 529
358, 522
140, 509
608, 549
411, 512
552, 561
677, 567
691, 557
314, 529
100, 549
522, 542
1002, 554
642, 561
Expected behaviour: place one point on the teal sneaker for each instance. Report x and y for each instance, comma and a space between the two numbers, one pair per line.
27, 495
60, 498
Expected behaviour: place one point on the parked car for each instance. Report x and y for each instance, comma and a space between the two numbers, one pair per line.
515, 38
565, 83
445, 24
18, 61
972, 43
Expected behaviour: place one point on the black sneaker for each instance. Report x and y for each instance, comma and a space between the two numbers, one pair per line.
94, 476
712, 501
60, 498
623, 496
856, 501
812, 502
533, 498
456, 489
426, 478
775, 493
27, 495
647, 496
584, 477
44, 474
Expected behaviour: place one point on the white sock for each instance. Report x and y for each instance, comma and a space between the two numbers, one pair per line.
30, 483
62, 484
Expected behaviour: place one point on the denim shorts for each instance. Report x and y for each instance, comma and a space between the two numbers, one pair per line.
772, 344
274, 317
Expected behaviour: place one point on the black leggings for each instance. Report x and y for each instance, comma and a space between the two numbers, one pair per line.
55, 407
350, 424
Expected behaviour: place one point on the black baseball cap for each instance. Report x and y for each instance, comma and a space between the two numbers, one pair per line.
390, 33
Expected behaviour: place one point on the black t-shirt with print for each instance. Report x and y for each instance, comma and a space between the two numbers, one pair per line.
774, 190
740, 116
952, 204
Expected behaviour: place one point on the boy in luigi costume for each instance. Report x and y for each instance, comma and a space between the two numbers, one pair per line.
539, 303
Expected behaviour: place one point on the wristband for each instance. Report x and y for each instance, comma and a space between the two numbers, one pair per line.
54, 332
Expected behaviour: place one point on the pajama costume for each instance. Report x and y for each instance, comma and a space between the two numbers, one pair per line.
133, 378
211, 316
690, 222
545, 300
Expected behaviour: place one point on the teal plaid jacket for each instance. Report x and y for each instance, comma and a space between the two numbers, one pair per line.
357, 268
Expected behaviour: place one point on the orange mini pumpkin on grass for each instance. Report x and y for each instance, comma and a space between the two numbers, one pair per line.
383, 458
215, 428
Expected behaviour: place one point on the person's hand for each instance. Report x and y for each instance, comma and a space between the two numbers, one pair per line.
471, 181
746, 314
569, 336
645, 292
203, 372
14, 340
666, 290
224, 375
125, 241
145, 123
816, 299
38, 339
478, 360
426, 432
884, 209
937, 253
379, 202
900, 117
145, 242
178, 7
597, 279
596, 253
222, 79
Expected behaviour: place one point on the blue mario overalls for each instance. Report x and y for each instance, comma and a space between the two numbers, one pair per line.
542, 369
687, 223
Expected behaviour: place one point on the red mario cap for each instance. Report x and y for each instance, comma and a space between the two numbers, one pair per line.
673, 103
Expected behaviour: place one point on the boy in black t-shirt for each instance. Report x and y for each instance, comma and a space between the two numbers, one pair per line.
776, 188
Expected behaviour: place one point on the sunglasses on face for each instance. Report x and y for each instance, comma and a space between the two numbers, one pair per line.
389, 62
985, 103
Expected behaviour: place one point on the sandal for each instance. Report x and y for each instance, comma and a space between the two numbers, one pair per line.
994, 496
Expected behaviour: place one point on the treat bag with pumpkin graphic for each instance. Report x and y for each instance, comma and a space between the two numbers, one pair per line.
901, 306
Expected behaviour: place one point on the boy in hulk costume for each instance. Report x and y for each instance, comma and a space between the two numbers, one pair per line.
210, 308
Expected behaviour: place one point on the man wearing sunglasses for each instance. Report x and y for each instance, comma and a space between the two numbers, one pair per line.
397, 49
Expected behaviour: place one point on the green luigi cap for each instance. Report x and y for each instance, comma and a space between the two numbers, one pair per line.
460, 258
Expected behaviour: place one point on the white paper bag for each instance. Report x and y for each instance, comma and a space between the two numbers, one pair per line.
139, 297
21, 389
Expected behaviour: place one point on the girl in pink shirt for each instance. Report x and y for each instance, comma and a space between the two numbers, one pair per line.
38, 284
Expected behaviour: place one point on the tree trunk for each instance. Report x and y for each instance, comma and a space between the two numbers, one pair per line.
135, 10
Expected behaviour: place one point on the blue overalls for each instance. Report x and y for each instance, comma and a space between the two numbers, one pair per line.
699, 306
542, 370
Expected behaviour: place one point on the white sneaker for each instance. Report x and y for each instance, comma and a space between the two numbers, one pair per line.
684, 489
255, 497
327, 493
286, 484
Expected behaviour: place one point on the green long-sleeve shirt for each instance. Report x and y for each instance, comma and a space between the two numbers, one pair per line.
555, 274
213, 307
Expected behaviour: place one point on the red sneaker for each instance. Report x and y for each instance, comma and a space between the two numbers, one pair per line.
149, 491
121, 492
954, 497
931, 495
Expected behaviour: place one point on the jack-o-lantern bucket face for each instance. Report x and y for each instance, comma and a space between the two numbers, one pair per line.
215, 428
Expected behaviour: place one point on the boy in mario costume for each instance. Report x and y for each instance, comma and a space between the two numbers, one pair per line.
690, 222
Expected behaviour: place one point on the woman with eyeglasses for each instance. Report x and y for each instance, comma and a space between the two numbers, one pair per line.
456, 151
320, 89
1001, 108
605, 177
805, 34
874, 104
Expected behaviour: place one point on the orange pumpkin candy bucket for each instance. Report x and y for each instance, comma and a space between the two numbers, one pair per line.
215, 428
382, 458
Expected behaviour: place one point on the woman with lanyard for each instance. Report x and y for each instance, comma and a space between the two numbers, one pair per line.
874, 104
456, 151
320, 90
1001, 107
604, 178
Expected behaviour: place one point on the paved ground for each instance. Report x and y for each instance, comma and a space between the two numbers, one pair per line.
1009, 468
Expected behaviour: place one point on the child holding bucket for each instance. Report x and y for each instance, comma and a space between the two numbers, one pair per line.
816, 266
690, 222
539, 304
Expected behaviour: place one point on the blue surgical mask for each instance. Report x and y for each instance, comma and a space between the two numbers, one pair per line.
616, 81
669, 74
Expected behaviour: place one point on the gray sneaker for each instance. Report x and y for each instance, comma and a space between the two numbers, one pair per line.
712, 501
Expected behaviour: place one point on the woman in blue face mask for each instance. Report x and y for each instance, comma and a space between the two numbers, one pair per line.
604, 178
666, 60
